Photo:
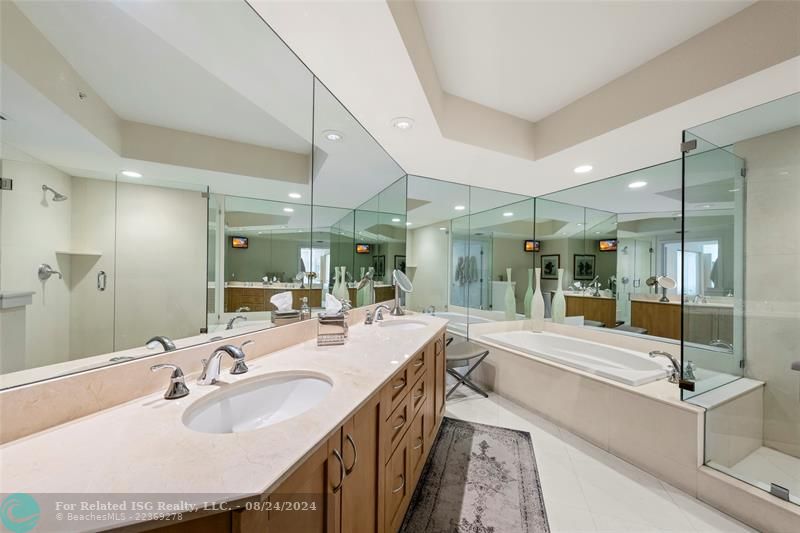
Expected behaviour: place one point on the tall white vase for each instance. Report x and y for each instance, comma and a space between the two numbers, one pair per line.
343, 294
529, 294
537, 304
336, 282
510, 301
558, 309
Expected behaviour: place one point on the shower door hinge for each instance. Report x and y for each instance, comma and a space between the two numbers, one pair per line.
741, 363
780, 492
204, 194
743, 172
6, 184
688, 146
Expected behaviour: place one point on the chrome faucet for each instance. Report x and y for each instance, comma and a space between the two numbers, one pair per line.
211, 366
177, 386
233, 320
699, 299
674, 376
379, 311
431, 309
243, 309
165, 343
595, 284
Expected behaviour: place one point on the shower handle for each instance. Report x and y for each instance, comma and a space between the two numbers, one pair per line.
45, 271
101, 280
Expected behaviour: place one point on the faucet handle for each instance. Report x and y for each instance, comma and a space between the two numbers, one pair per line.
177, 385
239, 366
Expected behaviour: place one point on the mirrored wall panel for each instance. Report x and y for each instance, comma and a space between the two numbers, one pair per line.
359, 209
158, 158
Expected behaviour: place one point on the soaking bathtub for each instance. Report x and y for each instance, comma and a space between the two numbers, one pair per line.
625, 366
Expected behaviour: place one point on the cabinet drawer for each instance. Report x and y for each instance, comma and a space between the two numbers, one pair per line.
417, 445
417, 365
395, 427
418, 395
394, 391
396, 487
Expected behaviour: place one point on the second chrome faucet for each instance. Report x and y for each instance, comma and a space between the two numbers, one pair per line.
211, 366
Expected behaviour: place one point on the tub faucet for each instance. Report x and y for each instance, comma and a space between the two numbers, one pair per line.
211, 366
165, 343
234, 319
675, 374
719, 343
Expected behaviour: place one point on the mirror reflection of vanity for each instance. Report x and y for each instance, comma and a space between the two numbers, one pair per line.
180, 212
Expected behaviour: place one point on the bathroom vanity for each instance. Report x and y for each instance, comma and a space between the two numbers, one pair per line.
597, 308
257, 298
349, 461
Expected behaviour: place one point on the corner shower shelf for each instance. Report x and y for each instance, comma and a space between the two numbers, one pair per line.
78, 252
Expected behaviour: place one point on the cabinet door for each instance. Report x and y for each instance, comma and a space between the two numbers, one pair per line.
439, 368
360, 453
397, 490
314, 488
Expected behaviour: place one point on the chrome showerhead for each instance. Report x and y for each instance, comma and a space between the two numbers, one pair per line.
57, 196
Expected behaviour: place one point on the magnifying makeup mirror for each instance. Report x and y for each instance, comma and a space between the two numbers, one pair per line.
665, 282
401, 282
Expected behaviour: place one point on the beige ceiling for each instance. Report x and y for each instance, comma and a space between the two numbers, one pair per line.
376, 58
530, 59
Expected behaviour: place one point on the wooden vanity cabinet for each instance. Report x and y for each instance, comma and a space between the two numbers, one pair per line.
590, 308
383, 448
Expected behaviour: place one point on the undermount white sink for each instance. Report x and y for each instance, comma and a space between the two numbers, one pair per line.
256, 403
403, 325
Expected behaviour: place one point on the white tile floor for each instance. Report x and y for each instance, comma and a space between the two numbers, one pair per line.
588, 489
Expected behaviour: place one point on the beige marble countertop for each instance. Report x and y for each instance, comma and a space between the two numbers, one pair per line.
143, 446
714, 301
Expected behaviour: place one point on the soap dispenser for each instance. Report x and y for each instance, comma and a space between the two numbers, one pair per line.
305, 310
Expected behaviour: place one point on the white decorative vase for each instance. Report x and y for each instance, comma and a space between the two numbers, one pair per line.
537, 304
558, 309
336, 282
529, 294
343, 294
510, 301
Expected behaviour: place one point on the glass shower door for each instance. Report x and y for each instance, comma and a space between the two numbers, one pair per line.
708, 265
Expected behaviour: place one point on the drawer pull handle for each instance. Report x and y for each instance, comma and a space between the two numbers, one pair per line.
348, 471
418, 446
401, 424
402, 484
401, 385
418, 396
419, 363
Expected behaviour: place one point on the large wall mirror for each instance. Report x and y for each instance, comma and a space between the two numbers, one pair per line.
158, 158
359, 209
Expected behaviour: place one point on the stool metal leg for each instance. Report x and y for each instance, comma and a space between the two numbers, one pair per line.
464, 379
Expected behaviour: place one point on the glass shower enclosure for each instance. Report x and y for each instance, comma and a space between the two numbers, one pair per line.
740, 279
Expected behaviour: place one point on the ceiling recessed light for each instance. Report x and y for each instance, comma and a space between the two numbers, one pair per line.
295, 195
131, 174
403, 123
460, 207
579, 224
442, 229
333, 135
637, 184
408, 223
706, 206
597, 233
508, 214
288, 210
583, 169
734, 190
395, 220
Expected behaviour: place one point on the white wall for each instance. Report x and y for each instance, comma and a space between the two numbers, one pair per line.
160, 263
32, 228
428, 254
91, 314
772, 282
